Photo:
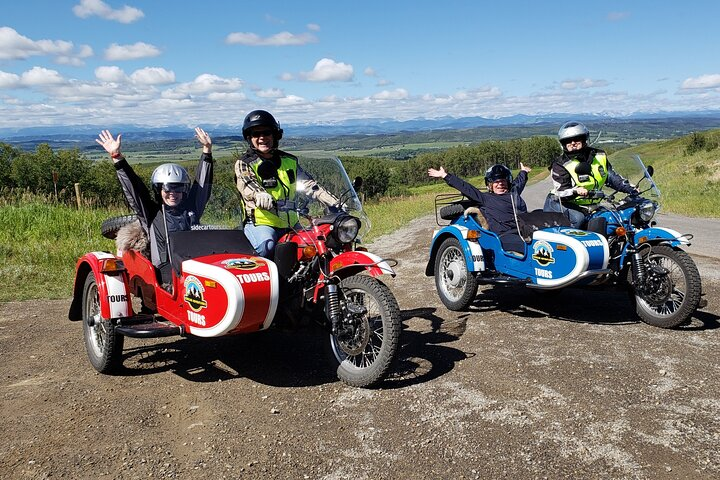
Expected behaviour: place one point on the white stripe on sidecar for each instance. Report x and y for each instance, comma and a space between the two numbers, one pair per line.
235, 296
581, 253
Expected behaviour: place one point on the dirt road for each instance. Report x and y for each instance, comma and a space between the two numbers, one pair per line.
520, 386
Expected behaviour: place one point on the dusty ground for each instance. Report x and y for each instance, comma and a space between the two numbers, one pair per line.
521, 386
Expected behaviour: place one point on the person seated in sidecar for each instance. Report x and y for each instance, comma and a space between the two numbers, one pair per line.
577, 171
176, 204
262, 223
500, 205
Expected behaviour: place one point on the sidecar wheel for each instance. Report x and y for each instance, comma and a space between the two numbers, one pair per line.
104, 346
110, 227
456, 286
674, 298
366, 355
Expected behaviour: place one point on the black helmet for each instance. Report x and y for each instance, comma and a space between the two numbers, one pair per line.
261, 118
497, 172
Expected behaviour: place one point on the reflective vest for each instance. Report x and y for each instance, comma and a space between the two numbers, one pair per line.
595, 181
284, 190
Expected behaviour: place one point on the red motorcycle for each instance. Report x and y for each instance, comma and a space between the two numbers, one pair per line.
221, 287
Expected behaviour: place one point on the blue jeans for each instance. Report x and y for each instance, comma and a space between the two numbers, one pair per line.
263, 238
576, 217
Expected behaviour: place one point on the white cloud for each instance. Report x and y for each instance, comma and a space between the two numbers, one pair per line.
397, 94
9, 80
204, 84
111, 74
277, 40
270, 93
291, 100
370, 72
583, 83
701, 82
313, 27
328, 70
286, 77
14, 46
39, 76
131, 52
89, 8
153, 76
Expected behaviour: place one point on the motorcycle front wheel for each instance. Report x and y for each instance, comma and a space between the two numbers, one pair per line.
456, 286
672, 297
104, 346
365, 352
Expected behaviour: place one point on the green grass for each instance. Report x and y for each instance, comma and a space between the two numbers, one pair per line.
40, 244
689, 184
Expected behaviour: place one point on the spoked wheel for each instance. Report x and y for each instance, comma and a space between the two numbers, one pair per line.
673, 288
456, 286
104, 346
368, 343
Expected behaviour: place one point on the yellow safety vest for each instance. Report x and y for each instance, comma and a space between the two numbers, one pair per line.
594, 181
284, 190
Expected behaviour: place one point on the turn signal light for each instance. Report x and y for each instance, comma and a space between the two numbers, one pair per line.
308, 252
620, 231
473, 235
112, 265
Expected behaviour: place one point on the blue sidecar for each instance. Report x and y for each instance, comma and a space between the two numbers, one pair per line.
463, 255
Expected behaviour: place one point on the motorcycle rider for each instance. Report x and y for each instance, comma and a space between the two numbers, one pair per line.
265, 174
500, 205
577, 171
176, 205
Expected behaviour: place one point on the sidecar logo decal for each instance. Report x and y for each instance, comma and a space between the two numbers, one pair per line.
575, 233
194, 293
543, 253
253, 277
240, 264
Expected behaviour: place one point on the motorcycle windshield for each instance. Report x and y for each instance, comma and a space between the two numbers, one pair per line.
324, 173
632, 168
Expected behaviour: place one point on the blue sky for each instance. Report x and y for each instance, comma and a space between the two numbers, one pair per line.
155, 63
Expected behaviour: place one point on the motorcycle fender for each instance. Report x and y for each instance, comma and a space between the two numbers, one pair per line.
472, 251
375, 265
653, 234
229, 296
115, 300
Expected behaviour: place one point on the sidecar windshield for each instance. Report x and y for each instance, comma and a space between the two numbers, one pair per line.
630, 165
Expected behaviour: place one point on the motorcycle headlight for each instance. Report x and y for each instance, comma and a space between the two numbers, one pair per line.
347, 229
646, 210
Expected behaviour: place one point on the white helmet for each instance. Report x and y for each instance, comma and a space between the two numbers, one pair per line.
170, 177
573, 129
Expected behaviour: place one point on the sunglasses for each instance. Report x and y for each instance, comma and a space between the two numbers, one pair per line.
174, 187
261, 133
573, 140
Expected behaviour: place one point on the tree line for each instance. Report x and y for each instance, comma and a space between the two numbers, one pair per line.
54, 173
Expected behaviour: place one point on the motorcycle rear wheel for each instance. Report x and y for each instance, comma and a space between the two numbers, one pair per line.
456, 286
104, 346
365, 356
685, 289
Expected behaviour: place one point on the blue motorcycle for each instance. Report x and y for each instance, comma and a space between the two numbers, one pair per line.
620, 246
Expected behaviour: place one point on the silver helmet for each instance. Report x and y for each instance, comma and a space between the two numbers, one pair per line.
170, 177
573, 129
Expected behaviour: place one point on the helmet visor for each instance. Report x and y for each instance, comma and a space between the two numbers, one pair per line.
174, 187
578, 139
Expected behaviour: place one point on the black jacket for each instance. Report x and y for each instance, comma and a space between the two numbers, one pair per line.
150, 210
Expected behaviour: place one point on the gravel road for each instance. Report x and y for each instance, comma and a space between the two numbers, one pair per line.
520, 386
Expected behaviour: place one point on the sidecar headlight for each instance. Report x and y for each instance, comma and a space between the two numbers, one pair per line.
347, 229
646, 210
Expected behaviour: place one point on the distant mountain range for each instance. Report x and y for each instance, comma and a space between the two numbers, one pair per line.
81, 134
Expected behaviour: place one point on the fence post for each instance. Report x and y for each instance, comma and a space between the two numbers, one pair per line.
77, 195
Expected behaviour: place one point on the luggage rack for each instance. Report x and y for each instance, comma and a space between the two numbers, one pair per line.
445, 200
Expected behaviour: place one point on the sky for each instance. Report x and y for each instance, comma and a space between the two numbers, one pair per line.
160, 62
